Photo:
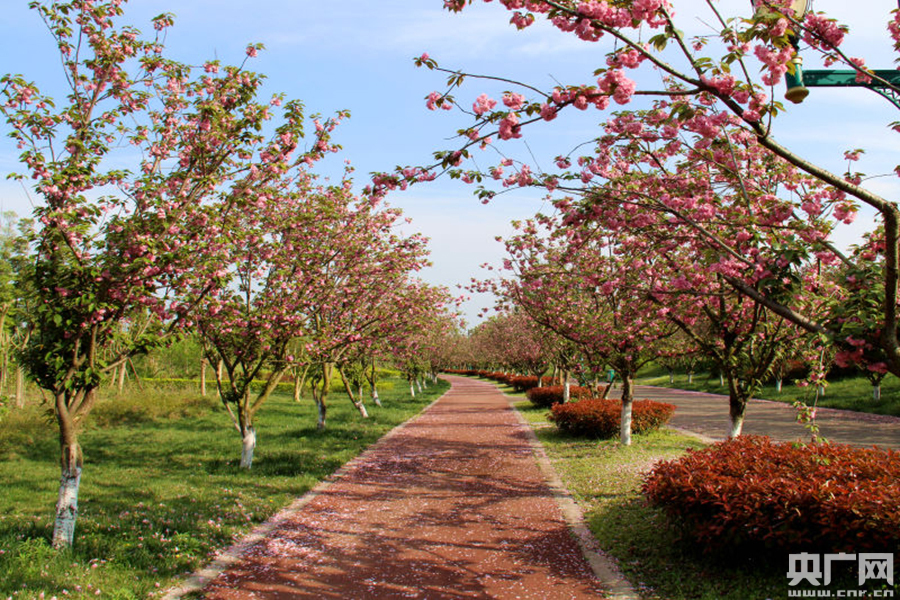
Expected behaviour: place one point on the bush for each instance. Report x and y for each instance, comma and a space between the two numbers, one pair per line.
547, 396
523, 383
602, 418
499, 377
752, 493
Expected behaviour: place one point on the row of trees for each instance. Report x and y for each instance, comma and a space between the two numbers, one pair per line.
175, 199
683, 223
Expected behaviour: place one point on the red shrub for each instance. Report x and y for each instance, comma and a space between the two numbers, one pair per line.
752, 492
523, 383
545, 397
500, 377
602, 418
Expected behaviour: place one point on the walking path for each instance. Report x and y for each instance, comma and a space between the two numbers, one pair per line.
707, 415
452, 505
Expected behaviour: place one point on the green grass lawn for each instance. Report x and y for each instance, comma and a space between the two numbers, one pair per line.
850, 393
161, 489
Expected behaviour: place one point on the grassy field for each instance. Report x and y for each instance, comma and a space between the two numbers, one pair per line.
161, 489
851, 393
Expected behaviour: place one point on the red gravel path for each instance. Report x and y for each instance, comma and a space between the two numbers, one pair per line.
451, 506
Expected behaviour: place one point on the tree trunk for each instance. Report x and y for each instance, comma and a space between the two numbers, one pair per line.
721, 380
691, 377
671, 376
412, 389
356, 402
737, 406
567, 391
202, 376
299, 383
323, 410
606, 390
248, 445
375, 397
219, 382
627, 405
20, 387
122, 372
70, 462
738, 397
737, 426
778, 385
67, 504
321, 395
876, 392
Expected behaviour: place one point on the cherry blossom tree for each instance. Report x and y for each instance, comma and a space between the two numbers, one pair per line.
514, 342
116, 245
707, 84
418, 343
581, 287
358, 286
276, 239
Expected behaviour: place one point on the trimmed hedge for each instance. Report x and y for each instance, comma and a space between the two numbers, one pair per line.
752, 493
523, 383
603, 418
547, 396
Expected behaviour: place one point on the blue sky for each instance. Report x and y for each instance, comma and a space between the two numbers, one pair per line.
357, 55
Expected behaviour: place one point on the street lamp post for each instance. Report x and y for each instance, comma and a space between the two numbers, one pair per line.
885, 82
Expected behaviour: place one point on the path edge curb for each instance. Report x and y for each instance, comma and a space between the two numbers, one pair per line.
604, 568
233, 554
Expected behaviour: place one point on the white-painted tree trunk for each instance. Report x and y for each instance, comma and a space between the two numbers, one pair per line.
66, 508
412, 389
625, 426
690, 378
778, 385
362, 409
671, 377
567, 391
375, 397
721, 380
821, 390
419, 384
737, 426
203, 377
247, 448
20, 387
876, 392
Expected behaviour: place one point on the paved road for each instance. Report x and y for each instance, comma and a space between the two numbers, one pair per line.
707, 414
453, 505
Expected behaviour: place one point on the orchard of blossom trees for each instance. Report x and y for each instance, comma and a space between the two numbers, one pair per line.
216, 224
683, 226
